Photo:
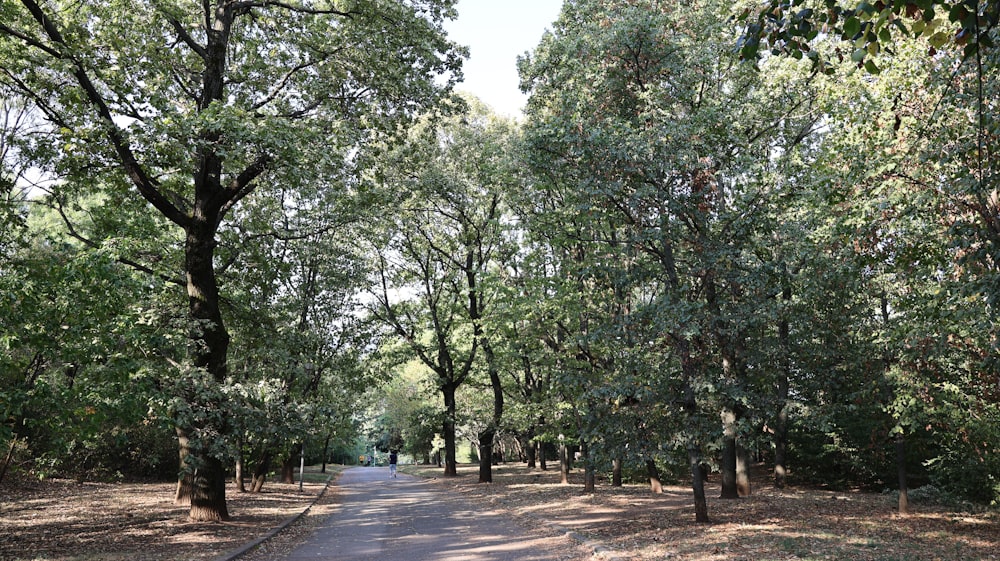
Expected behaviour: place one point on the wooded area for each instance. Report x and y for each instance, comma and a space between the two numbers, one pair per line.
723, 234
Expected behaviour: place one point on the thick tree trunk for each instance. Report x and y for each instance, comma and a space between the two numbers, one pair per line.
208, 492
904, 502
743, 487
616, 472
209, 352
543, 463
448, 428
288, 469
655, 485
486, 439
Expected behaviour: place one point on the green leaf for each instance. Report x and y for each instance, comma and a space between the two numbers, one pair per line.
852, 27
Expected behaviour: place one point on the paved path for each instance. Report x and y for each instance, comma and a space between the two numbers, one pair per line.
409, 519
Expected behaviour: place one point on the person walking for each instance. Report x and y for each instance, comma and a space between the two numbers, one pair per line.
392, 463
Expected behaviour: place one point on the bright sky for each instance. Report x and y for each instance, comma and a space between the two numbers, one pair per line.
496, 32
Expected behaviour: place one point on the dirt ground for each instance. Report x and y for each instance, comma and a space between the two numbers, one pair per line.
792, 524
63, 520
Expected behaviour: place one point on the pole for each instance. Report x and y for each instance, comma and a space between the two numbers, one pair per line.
302, 466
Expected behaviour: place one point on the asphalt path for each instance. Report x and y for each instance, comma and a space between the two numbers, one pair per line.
411, 519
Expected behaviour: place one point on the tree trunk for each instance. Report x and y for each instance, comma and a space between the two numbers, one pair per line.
742, 471
904, 503
655, 485
182, 496
781, 435
728, 464
589, 473
689, 368
288, 468
616, 472
563, 464
260, 472
448, 428
208, 492
486, 439
530, 449
326, 451
698, 484
542, 462
781, 420
240, 479
9, 458
209, 352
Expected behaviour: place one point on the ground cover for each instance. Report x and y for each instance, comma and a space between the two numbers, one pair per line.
64, 520
797, 523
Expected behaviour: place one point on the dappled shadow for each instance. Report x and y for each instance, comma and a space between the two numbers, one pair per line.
67, 519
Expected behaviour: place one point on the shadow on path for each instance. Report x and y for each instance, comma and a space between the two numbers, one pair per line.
410, 519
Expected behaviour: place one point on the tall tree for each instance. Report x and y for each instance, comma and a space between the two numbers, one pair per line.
191, 107
441, 250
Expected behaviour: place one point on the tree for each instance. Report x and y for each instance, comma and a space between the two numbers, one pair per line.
640, 115
792, 27
192, 108
442, 250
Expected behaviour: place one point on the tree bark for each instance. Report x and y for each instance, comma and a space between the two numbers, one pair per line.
530, 449
655, 485
487, 437
448, 429
781, 419
260, 471
182, 495
689, 369
728, 464
563, 464
616, 472
240, 475
698, 483
589, 476
743, 487
781, 435
288, 468
904, 502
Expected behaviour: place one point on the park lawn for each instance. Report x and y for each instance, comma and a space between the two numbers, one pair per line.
797, 523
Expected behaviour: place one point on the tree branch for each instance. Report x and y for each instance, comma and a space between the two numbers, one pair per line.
147, 187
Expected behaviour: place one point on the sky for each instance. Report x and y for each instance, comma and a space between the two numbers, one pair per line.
496, 32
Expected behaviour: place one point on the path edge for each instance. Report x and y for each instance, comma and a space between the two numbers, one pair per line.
233, 554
